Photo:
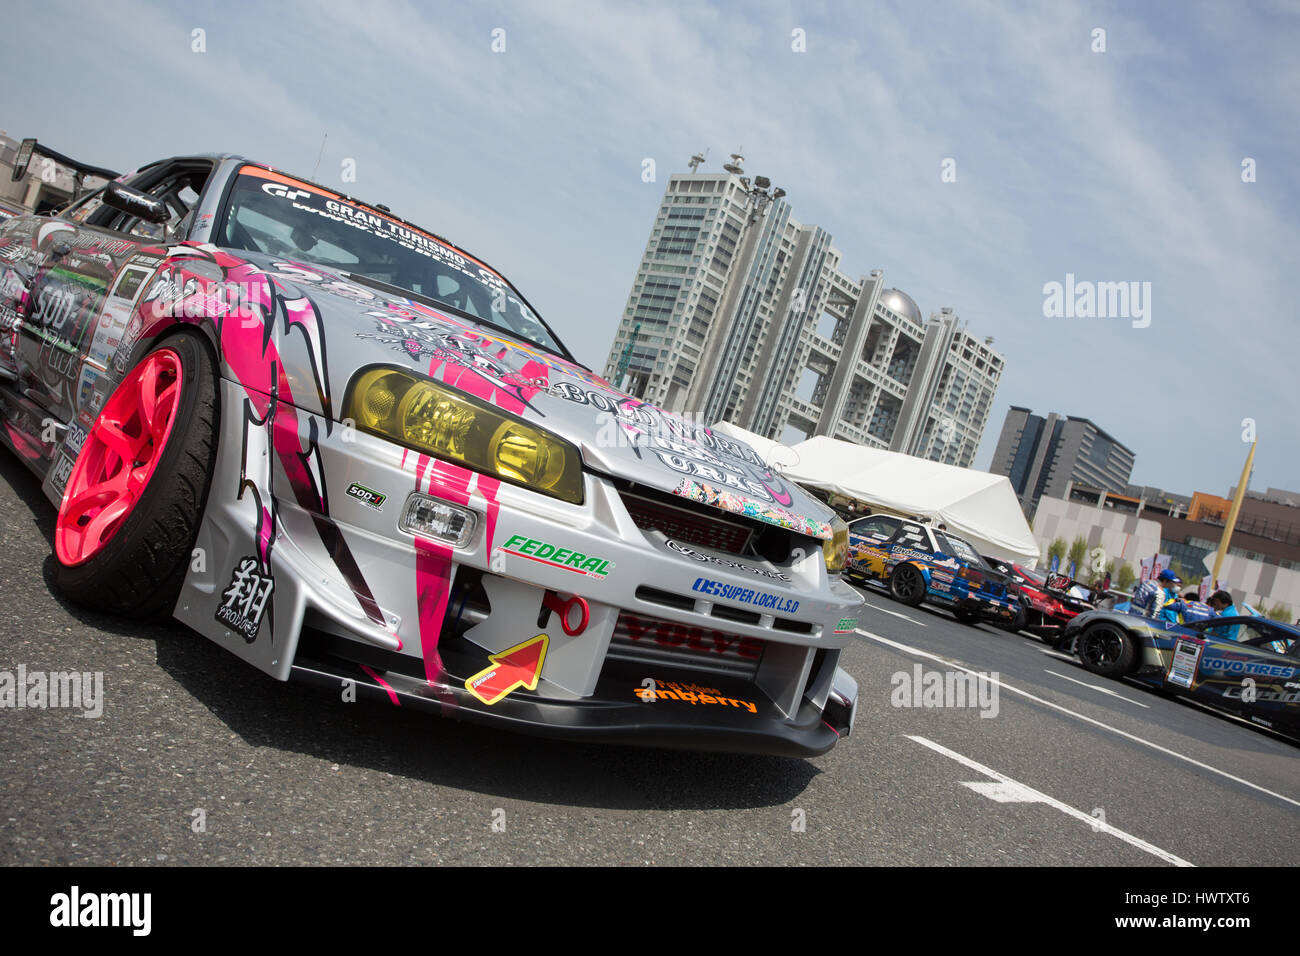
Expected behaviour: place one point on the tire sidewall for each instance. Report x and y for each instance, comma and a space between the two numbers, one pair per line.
1127, 655
918, 580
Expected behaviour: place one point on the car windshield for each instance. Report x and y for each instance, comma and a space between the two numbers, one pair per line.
279, 216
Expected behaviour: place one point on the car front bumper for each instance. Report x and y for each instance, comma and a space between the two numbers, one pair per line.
349, 590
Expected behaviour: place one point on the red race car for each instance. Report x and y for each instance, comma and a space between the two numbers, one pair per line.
1046, 599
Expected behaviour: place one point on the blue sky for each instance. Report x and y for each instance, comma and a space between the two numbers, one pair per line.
1123, 165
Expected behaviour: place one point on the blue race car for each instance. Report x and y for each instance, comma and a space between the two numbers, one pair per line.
1247, 666
920, 563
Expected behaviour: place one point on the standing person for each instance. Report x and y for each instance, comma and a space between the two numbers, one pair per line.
1169, 605
1149, 597
1105, 582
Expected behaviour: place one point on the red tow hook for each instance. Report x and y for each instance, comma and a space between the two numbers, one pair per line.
552, 601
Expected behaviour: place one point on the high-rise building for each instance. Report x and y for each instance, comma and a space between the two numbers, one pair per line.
738, 312
1044, 455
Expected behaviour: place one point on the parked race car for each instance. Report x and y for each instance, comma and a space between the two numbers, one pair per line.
1047, 608
919, 563
1247, 666
347, 450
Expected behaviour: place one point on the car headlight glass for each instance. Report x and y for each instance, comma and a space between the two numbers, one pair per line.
835, 549
430, 417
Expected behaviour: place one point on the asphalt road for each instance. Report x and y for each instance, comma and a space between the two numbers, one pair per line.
1066, 769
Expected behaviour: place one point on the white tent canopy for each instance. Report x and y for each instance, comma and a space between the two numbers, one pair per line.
980, 507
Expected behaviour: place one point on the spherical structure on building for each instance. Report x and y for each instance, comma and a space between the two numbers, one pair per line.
902, 303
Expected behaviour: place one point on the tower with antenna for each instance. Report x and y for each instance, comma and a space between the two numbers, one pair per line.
698, 160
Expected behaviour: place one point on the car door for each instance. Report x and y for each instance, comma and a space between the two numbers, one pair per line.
96, 263
910, 541
1250, 667
866, 536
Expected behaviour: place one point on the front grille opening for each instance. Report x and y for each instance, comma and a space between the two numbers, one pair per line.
774, 543
694, 522
666, 598
713, 531
648, 641
792, 626
735, 614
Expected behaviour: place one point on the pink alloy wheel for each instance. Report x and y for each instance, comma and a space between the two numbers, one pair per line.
119, 457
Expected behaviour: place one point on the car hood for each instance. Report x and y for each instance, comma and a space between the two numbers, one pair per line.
348, 324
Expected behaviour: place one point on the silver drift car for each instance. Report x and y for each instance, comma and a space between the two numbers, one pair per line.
347, 450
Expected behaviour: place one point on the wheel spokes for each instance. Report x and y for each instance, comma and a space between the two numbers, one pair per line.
99, 494
121, 454
164, 411
104, 523
114, 436
148, 394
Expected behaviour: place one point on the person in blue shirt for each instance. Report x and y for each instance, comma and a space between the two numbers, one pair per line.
1168, 605
1150, 596
1194, 609
1221, 602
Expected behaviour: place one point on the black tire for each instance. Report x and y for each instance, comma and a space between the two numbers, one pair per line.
140, 570
1017, 622
1107, 649
907, 585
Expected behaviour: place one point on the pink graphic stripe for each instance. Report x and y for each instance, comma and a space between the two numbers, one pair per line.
392, 695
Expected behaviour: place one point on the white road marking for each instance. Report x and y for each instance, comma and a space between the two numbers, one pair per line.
1057, 654
1086, 719
1002, 792
895, 613
1104, 690
1006, 790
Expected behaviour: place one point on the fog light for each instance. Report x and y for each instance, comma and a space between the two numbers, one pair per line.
438, 519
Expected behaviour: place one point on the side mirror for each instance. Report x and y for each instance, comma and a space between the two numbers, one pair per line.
137, 203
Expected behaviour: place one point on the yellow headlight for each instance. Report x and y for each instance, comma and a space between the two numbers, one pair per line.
835, 549
428, 416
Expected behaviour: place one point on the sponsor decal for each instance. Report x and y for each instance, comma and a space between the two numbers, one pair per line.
691, 694
899, 553
130, 336
460, 354
565, 558
245, 600
732, 592
847, 625
75, 438
86, 390
518, 666
60, 474
367, 496
701, 640
1236, 692
118, 308
1182, 669
725, 562
1246, 667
